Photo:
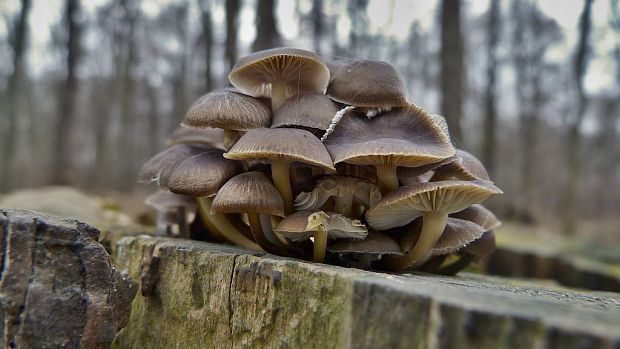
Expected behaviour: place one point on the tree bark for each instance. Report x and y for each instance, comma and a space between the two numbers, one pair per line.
452, 69
267, 35
15, 81
573, 141
62, 172
232, 22
489, 146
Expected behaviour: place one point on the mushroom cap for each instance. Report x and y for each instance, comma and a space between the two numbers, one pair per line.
375, 244
465, 166
420, 174
227, 110
479, 215
405, 136
159, 167
365, 83
203, 174
249, 192
300, 70
361, 191
211, 137
310, 110
302, 225
457, 234
483, 246
407, 203
281, 143
164, 200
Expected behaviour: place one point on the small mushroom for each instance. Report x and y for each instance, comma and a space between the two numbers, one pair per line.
309, 111
405, 136
202, 176
433, 201
171, 209
464, 166
457, 234
302, 225
230, 111
281, 147
252, 193
159, 167
210, 137
479, 215
361, 253
280, 73
346, 192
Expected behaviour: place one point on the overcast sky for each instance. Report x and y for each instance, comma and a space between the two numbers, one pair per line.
390, 17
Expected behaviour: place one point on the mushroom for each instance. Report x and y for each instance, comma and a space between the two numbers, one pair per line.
202, 176
433, 201
309, 111
464, 166
405, 136
211, 137
231, 111
361, 253
252, 193
421, 174
346, 192
320, 225
280, 73
171, 208
158, 168
282, 146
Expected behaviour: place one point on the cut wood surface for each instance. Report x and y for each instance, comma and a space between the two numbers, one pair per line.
201, 295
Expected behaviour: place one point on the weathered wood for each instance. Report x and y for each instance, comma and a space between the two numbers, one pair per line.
58, 288
213, 296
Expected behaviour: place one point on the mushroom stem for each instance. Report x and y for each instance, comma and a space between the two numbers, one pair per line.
281, 179
387, 178
320, 245
258, 235
220, 224
278, 95
463, 262
230, 136
433, 225
204, 214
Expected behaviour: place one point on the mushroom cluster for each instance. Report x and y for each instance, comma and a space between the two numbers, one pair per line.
324, 161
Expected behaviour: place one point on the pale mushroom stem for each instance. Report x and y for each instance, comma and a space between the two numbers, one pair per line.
278, 95
281, 179
387, 178
258, 235
222, 226
320, 245
230, 136
433, 225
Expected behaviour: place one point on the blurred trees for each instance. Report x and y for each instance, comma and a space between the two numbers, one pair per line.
117, 76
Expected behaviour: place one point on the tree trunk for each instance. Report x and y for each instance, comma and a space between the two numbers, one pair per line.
452, 69
489, 146
14, 90
573, 142
356, 10
62, 172
317, 25
232, 22
267, 35
207, 38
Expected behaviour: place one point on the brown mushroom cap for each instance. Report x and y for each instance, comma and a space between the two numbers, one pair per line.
420, 174
457, 234
479, 215
203, 174
365, 83
249, 192
375, 244
465, 167
407, 203
482, 247
302, 225
227, 110
211, 137
405, 136
282, 144
299, 70
159, 167
308, 110
164, 200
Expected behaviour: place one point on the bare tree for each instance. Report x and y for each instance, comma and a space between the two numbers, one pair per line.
489, 145
18, 40
62, 165
573, 141
232, 22
207, 40
267, 35
356, 10
317, 24
452, 69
